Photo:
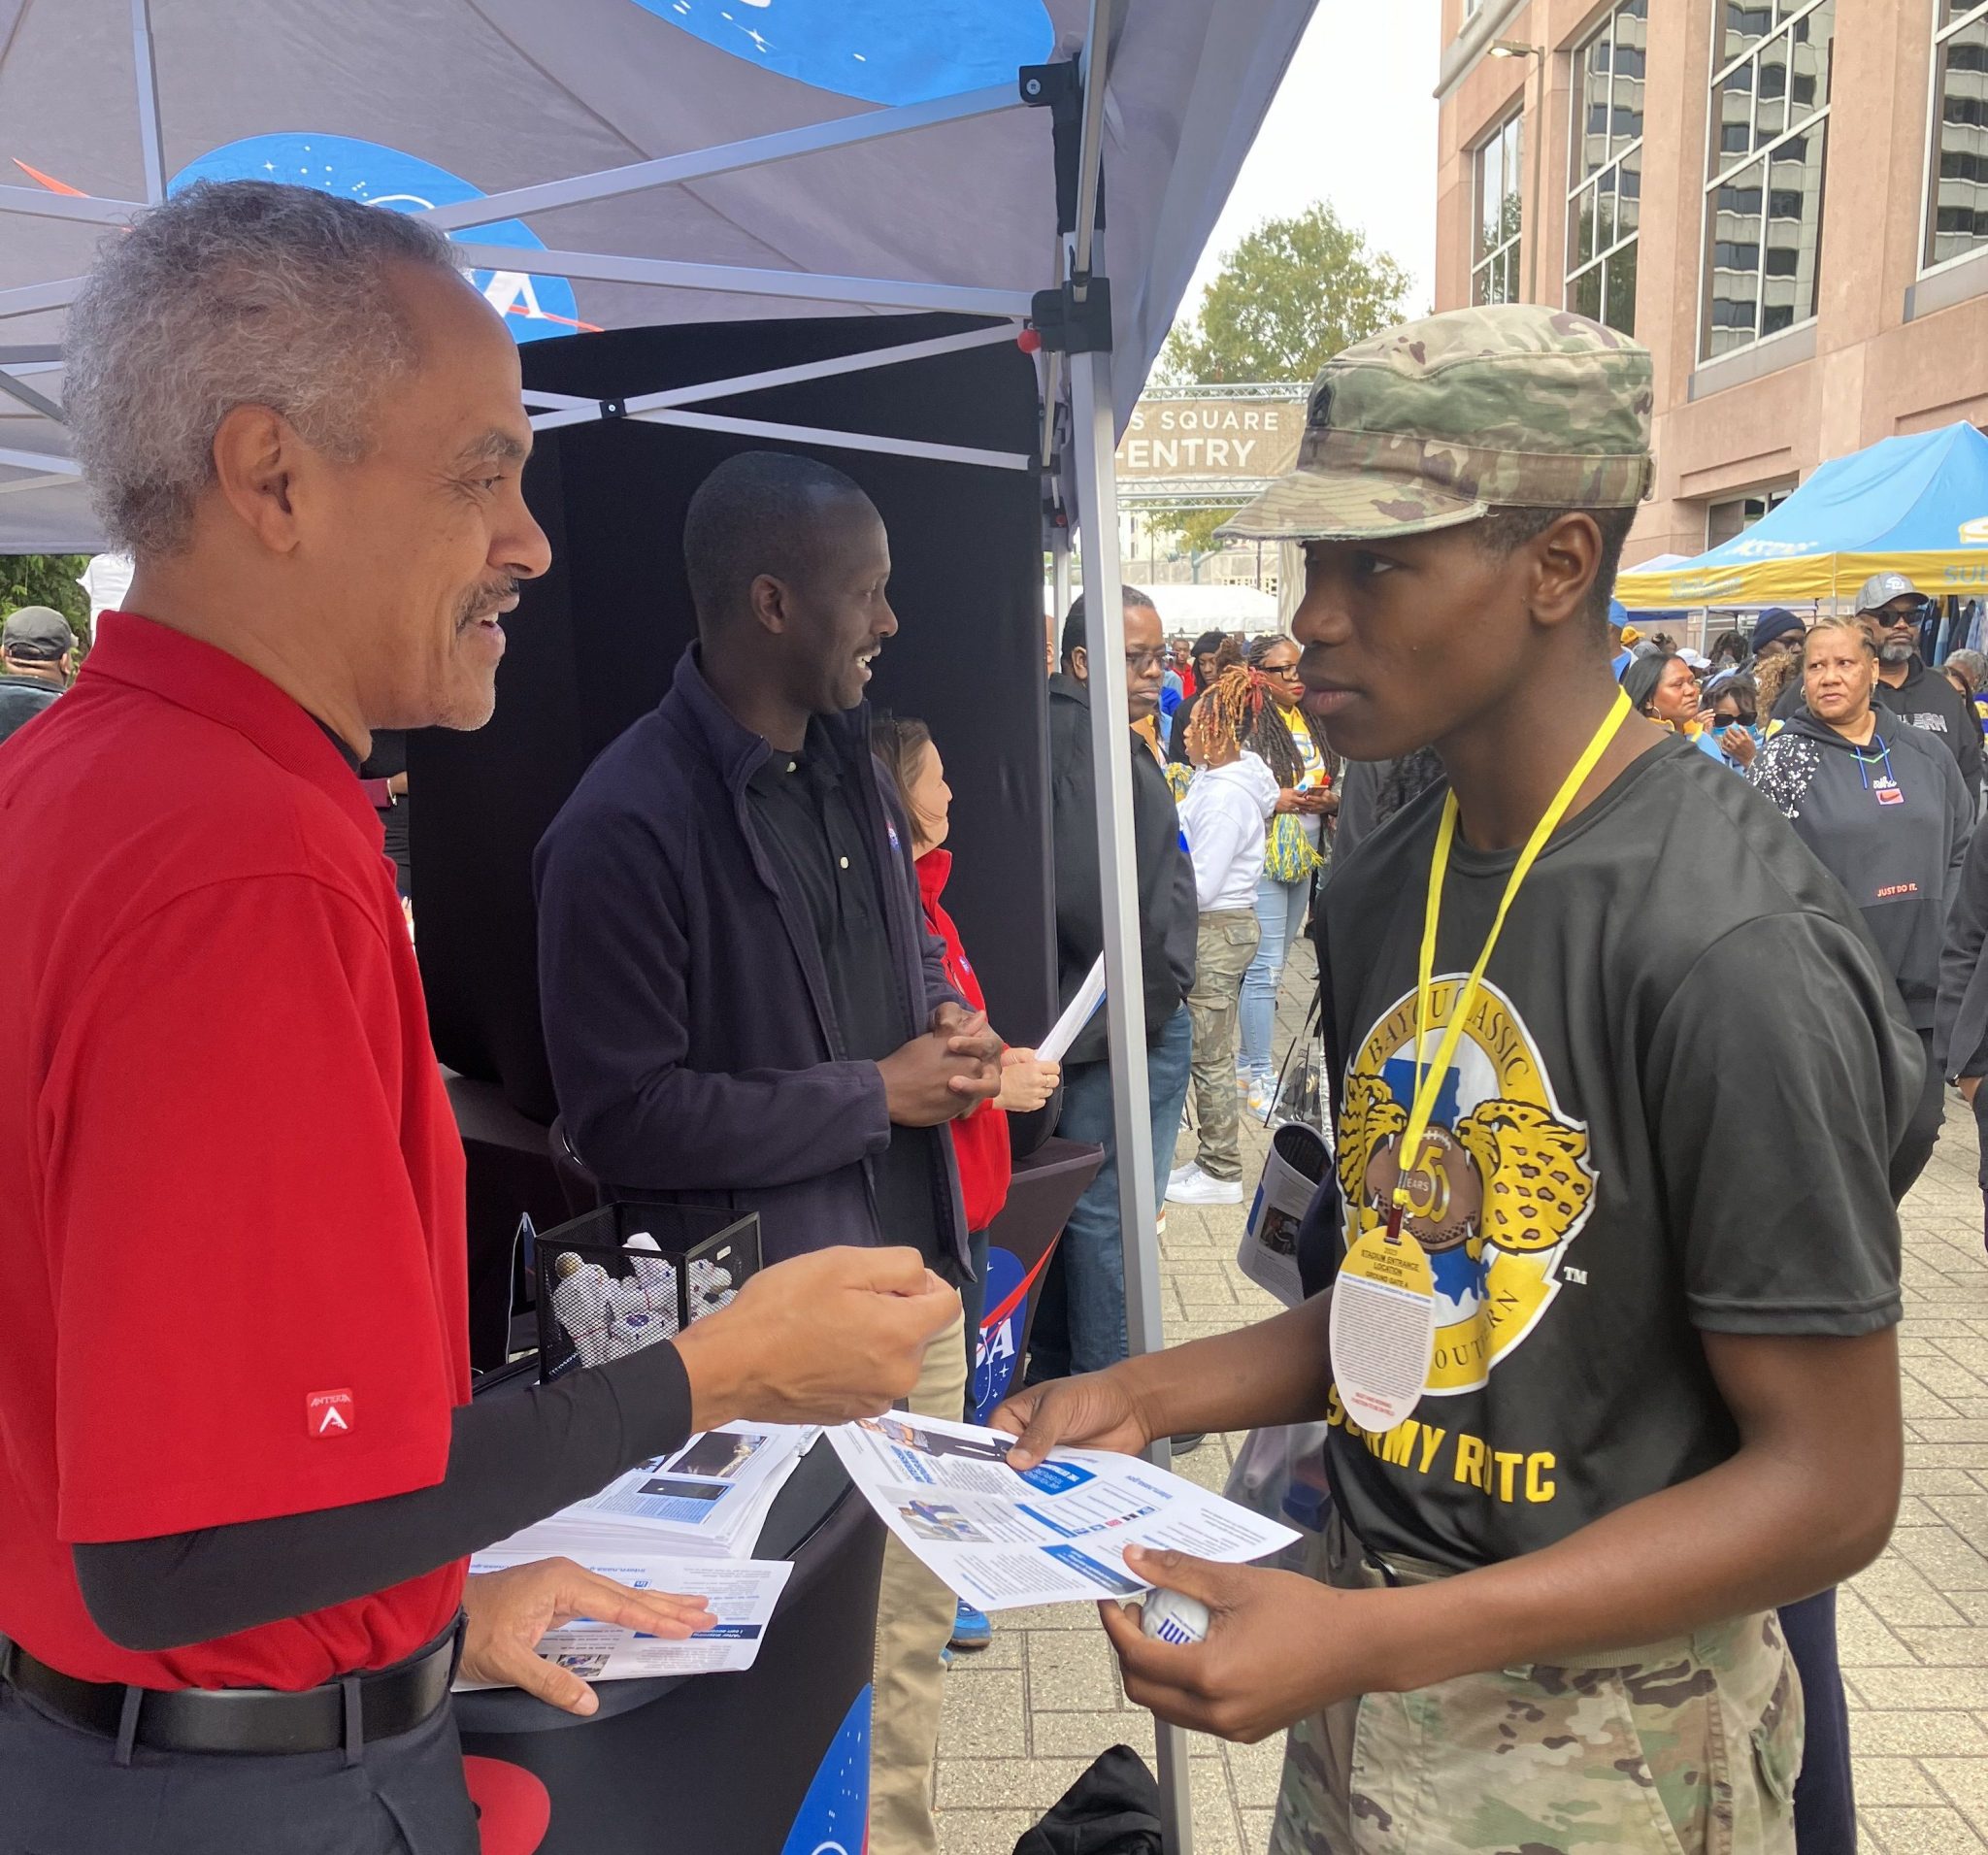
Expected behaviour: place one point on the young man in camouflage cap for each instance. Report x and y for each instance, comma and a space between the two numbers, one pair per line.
1661, 1396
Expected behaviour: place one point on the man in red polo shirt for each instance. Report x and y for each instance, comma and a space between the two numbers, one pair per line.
236, 1446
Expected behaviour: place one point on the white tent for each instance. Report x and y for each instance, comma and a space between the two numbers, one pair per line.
588, 157
1193, 609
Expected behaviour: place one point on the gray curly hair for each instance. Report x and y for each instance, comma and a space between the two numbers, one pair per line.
1973, 665
232, 293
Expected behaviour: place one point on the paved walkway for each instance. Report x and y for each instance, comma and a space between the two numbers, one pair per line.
1026, 1716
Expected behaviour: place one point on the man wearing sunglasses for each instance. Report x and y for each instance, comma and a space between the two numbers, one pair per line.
1896, 610
1081, 1321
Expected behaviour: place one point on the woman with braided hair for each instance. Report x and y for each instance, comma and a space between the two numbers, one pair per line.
1277, 729
1223, 819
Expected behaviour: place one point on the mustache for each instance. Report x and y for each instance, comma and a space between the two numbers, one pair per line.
482, 600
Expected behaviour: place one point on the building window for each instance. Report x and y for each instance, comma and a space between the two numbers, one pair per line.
1769, 125
1724, 520
1957, 187
1604, 192
1500, 187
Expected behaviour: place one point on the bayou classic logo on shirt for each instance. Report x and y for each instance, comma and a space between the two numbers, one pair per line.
1506, 1187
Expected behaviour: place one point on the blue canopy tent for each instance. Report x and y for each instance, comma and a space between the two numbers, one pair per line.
1916, 505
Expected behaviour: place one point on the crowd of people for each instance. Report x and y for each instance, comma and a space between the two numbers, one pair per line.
1606, 1361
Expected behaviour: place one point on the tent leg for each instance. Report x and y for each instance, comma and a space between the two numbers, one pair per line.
150, 141
1097, 488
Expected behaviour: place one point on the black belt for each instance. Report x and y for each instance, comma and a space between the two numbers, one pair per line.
344, 1713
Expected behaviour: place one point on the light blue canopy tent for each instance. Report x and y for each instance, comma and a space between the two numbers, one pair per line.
1916, 505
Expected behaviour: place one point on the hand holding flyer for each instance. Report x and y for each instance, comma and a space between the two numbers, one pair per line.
1052, 1534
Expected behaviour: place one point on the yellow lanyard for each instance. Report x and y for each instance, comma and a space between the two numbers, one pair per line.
1429, 1078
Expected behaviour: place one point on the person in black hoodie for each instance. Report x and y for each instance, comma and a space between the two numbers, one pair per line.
1916, 694
1886, 809
1082, 1328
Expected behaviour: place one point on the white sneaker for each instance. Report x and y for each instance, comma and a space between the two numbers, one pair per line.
1181, 1172
1199, 1188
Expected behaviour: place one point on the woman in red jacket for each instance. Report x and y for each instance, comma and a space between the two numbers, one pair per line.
980, 1139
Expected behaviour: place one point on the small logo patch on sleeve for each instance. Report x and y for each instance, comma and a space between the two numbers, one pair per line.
328, 1413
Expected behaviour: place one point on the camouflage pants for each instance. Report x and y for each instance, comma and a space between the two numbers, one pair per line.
1686, 1747
1224, 947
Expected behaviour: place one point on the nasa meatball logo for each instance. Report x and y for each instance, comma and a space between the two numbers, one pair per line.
878, 50
1505, 1186
533, 307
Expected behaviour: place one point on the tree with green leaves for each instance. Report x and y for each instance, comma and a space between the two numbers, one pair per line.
47, 579
1287, 299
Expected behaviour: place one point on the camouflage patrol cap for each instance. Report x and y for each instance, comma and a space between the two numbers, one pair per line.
1439, 422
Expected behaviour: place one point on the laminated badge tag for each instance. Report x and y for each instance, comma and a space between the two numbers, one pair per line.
1384, 1326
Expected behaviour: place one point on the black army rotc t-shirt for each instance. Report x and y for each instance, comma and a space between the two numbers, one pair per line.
1671, 1111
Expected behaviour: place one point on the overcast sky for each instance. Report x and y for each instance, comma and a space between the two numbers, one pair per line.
1354, 123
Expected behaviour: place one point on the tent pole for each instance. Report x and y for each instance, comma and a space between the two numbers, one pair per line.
1097, 488
1094, 438
732, 157
145, 69
807, 287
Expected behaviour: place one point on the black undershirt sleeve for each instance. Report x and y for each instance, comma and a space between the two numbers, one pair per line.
512, 1461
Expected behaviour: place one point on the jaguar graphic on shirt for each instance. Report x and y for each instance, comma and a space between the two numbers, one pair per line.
1506, 1184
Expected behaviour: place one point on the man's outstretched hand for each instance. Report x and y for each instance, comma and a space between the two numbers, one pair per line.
819, 1339
1094, 1411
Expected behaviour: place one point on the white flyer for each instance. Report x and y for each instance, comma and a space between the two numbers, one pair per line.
740, 1593
709, 1496
1047, 1535
1076, 1015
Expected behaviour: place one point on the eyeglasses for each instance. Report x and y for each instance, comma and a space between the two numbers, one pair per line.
1735, 721
1283, 672
1138, 662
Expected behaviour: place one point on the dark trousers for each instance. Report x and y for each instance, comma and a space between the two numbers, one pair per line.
972, 1303
63, 1793
1825, 1798
1981, 1133
1922, 1131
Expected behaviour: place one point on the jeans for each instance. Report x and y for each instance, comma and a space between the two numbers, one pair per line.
1922, 1131
1825, 1795
1090, 1333
1280, 914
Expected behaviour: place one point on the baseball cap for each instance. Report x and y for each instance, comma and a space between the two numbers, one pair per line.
1697, 659
36, 634
1880, 589
1439, 422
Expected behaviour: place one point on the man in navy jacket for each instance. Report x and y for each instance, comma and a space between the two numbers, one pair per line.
689, 995
741, 1004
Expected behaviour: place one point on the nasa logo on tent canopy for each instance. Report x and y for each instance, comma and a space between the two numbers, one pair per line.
533, 308
1974, 534
880, 51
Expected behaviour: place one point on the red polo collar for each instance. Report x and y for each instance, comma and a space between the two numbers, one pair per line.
143, 654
